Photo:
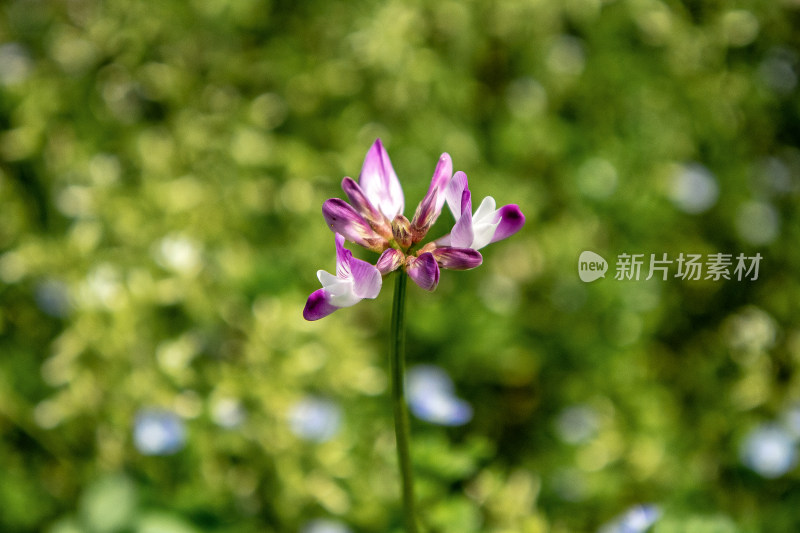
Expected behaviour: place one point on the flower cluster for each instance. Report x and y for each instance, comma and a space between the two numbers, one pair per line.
374, 219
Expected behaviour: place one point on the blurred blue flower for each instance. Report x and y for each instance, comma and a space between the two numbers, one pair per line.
322, 525
577, 424
431, 397
694, 189
52, 297
637, 519
791, 420
315, 419
158, 432
769, 450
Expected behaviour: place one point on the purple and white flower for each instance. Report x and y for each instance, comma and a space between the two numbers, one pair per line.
374, 219
354, 280
487, 225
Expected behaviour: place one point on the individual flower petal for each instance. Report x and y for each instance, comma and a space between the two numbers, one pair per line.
390, 260
423, 270
457, 258
441, 179
343, 257
484, 223
510, 219
455, 192
318, 306
431, 206
362, 205
379, 182
367, 279
462, 234
343, 219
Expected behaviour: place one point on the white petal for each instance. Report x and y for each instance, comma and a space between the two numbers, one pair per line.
483, 234
345, 297
340, 290
485, 212
484, 224
326, 278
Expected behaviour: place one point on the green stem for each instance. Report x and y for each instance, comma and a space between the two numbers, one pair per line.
401, 426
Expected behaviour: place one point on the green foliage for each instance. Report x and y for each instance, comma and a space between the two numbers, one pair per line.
162, 166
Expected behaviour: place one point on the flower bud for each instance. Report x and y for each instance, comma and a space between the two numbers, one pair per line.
390, 260
401, 230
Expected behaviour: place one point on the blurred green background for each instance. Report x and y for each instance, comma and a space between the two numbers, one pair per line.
162, 168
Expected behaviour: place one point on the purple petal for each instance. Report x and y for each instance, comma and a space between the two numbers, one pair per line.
343, 257
511, 221
441, 178
390, 260
454, 193
367, 279
379, 181
318, 306
423, 270
431, 206
457, 258
362, 205
342, 218
462, 234
466, 202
